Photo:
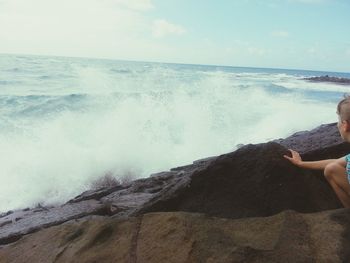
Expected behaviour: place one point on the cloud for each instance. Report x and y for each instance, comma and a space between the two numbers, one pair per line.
162, 28
280, 33
140, 5
96, 28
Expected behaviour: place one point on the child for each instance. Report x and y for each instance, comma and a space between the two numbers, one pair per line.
336, 171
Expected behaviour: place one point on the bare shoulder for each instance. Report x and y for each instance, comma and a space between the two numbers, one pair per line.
341, 161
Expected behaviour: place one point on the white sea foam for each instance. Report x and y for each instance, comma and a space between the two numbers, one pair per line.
139, 123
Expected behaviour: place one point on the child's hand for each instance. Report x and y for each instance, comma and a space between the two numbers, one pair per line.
295, 159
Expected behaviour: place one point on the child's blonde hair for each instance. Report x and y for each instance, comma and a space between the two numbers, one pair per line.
343, 108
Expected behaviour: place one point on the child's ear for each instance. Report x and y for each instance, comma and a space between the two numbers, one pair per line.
347, 126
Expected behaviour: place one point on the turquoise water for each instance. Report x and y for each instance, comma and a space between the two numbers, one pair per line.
64, 122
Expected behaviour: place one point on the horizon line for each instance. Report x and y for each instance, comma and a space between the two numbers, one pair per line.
171, 63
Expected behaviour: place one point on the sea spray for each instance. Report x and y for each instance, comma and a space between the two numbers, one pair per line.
67, 122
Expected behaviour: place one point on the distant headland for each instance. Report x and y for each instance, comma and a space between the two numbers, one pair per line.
326, 78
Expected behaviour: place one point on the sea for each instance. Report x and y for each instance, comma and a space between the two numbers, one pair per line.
66, 122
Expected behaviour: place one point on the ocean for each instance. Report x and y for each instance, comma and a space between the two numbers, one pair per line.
65, 122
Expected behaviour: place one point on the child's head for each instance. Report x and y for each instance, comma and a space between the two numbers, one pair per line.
343, 111
343, 108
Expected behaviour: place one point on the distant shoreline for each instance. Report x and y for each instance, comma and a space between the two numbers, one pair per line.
326, 78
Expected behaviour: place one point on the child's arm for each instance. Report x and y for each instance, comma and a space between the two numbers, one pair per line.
316, 165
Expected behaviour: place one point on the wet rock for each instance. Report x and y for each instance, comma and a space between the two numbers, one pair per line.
254, 181
96, 194
322, 137
121, 201
19, 223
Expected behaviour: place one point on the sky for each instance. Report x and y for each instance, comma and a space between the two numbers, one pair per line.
293, 34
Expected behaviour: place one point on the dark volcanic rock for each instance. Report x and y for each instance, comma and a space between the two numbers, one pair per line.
122, 201
322, 137
19, 223
323, 142
253, 181
326, 78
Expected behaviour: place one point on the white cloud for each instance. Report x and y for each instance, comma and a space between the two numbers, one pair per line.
162, 28
120, 29
96, 28
140, 5
280, 33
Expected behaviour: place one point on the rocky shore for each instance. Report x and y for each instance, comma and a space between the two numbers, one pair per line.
326, 78
250, 205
